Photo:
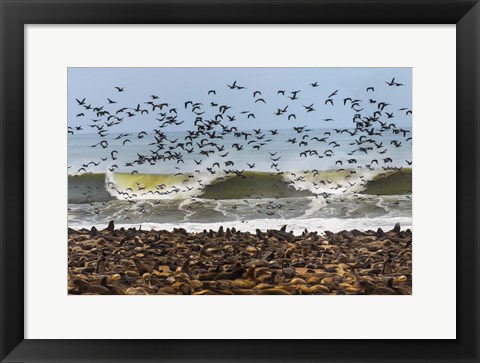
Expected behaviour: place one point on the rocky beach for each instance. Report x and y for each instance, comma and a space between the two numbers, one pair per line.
228, 261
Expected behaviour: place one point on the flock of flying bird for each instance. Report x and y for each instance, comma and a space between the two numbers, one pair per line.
213, 129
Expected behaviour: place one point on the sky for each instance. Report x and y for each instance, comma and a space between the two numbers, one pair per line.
178, 85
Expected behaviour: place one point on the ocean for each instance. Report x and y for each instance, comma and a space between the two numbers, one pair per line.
244, 181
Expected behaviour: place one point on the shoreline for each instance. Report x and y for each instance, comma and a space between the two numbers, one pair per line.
117, 261
297, 225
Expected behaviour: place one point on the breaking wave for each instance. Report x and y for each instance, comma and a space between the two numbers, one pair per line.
101, 187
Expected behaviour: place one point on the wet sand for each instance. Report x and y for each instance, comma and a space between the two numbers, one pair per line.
232, 262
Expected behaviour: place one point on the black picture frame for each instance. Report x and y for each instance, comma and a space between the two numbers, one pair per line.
15, 14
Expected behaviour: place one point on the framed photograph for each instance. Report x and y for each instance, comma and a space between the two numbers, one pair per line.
171, 195
239, 181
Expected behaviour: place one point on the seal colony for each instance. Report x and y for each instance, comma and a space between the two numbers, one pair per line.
231, 262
